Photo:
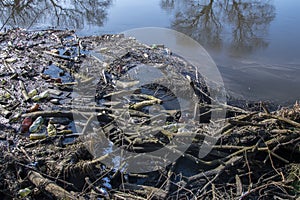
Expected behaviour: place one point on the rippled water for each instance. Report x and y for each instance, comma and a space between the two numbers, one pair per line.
255, 43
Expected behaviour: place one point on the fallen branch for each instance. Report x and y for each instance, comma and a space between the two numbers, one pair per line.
216, 171
283, 119
57, 113
39, 181
148, 191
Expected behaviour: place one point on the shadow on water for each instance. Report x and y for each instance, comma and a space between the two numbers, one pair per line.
242, 25
60, 14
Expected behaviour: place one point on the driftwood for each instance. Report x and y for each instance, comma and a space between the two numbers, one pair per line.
150, 100
147, 191
52, 113
57, 113
255, 152
58, 192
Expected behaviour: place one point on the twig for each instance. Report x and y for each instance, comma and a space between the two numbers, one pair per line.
146, 190
59, 56
12, 70
23, 90
263, 105
92, 186
249, 172
26, 154
244, 123
286, 120
87, 125
219, 170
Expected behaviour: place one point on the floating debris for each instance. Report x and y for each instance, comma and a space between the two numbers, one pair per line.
81, 95
36, 125
32, 93
34, 108
24, 192
51, 130
37, 136
26, 123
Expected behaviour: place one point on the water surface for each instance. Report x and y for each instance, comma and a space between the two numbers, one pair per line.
255, 43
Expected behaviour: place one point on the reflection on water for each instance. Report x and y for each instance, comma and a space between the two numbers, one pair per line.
210, 22
255, 43
61, 14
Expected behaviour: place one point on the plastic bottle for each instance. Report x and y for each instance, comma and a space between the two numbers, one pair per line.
27, 122
36, 98
24, 192
36, 125
33, 108
37, 136
55, 101
43, 95
51, 130
32, 93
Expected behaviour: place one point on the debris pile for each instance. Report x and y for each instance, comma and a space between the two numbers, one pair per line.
62, 94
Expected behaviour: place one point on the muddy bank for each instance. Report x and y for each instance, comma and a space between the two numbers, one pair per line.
63, 95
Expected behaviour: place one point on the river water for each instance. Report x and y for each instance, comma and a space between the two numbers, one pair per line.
255, 43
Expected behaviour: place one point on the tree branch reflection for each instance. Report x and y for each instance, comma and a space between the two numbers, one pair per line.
72, 13
215, 22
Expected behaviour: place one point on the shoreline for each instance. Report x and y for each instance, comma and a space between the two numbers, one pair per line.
42, 70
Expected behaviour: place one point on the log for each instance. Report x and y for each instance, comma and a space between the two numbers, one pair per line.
39, 181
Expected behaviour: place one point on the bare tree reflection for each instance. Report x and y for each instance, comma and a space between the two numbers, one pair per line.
167, 5
71, 13
215, 22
